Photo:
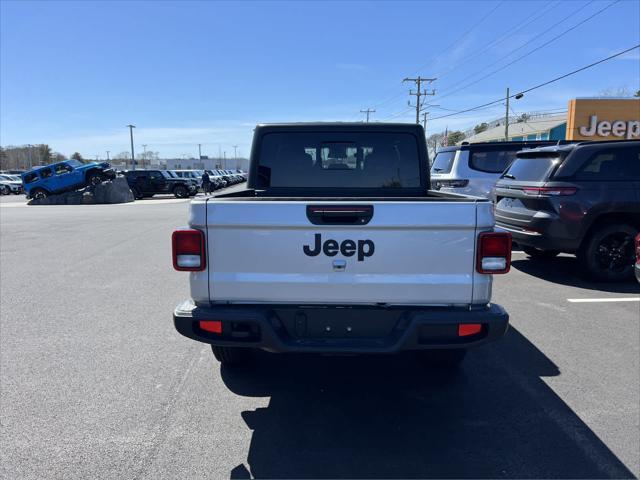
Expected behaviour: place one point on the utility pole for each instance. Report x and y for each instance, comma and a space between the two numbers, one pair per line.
367, 112
224, 161
199, 151
144, 155
108, 155
419, 93
506, 119
235, 155
133, 155
424, 121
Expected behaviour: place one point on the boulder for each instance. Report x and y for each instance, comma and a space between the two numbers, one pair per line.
111, 191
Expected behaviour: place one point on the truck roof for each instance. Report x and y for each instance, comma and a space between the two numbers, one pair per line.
351, 126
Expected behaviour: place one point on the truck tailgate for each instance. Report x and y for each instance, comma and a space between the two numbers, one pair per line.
408, 253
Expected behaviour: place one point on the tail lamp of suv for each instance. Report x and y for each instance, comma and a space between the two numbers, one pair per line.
188, 250
494, 252
549, 191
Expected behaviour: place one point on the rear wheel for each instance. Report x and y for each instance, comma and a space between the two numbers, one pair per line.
537, 253
449, 359
39, 194
137, 194
5, 190
181, 191
608, 254
231, 355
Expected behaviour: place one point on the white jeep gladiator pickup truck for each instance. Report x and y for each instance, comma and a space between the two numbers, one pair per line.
338, 246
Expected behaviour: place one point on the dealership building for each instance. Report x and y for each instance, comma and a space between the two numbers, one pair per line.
585, 119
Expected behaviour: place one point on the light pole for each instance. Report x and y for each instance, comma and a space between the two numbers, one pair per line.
108, 155
199, 151
235, 155
133, 155
30, 160
144, 154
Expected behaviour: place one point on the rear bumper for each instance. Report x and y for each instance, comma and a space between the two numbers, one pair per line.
340, 329
539, 235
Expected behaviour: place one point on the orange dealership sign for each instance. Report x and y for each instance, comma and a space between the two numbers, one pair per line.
603, 119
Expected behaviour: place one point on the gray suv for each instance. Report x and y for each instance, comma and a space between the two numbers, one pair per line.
581, 198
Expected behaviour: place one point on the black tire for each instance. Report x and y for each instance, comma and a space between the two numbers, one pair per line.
137, 194
231, 355
181, 191
39, 193
5, 190
94, 178
608, 253
537, 253
449, 359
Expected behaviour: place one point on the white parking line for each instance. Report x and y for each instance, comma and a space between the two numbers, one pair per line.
593, 300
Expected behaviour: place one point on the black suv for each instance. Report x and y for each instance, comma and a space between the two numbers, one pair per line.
147, 183
581, 198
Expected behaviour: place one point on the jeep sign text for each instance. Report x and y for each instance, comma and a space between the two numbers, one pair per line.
348, 248
629, 129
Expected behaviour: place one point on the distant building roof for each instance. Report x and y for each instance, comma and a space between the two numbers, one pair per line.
534, 126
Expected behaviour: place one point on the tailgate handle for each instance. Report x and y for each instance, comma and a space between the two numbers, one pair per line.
339, 215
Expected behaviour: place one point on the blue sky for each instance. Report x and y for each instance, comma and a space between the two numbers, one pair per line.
73, 74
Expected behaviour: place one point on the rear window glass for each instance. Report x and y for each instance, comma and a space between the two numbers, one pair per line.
531, 169
491, 161
339, 160
443, 163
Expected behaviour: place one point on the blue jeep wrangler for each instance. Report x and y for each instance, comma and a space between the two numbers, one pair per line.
64, 176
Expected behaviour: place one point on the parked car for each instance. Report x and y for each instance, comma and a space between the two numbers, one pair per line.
147, 183
64, 176
581, 198
637, 269
216, 179
192, 174
195, 183
10, 184
350, 253
474, 168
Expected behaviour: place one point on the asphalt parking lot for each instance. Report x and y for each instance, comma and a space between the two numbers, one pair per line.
97, 383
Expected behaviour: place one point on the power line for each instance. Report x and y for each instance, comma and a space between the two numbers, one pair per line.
539, 13
475, 24
541, 84
473, 27
529, 52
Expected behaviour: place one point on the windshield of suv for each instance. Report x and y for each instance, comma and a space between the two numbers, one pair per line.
443, 163
339, 160
531, 169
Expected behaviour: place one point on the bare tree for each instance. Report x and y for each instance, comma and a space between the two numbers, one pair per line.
622, 92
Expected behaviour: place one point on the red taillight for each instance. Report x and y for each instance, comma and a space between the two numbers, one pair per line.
552, 191
638, 249
494, 252
188, 250
211, 326
467, 329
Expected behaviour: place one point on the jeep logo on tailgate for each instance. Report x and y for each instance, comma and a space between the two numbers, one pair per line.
348, 248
